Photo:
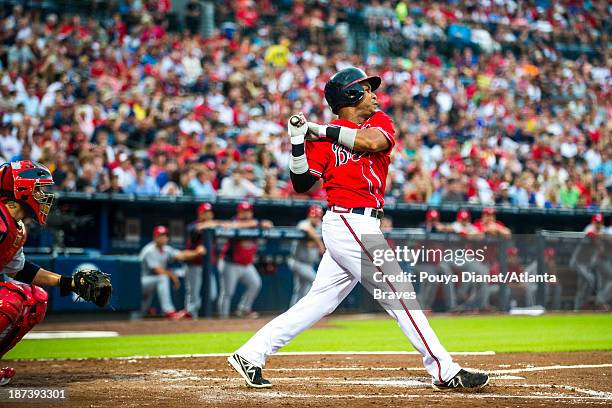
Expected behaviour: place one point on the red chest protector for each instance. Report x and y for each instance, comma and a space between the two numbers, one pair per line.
15, 236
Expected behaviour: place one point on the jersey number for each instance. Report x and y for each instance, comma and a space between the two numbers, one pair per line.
343, 155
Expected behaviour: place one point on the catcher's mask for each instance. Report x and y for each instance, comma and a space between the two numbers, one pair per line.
26, 181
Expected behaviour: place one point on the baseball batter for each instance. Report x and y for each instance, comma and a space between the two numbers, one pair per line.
352, 155
305, 253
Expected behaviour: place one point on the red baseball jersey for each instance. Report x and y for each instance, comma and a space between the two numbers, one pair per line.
240, 251
353, 179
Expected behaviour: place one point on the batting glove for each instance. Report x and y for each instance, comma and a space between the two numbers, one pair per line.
297, 133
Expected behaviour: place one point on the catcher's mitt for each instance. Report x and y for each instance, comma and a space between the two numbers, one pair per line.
93, 286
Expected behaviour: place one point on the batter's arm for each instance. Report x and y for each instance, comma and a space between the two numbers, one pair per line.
371, 140
301, 179
361, 140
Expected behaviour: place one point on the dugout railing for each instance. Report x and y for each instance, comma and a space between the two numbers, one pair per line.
580, 281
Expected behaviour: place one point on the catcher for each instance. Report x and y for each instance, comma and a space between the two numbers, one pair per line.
23, 305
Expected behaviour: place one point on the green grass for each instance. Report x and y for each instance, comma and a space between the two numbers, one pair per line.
478, 333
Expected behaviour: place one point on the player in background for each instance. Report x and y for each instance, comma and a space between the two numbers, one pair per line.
603, 296
23, 302
428, 289
462, 225
236, 265
490, 226
493, 231
195, 267
584, 260
352, 155
432, 221
155, 275
305, 253
552, 290
591, 260
469, 295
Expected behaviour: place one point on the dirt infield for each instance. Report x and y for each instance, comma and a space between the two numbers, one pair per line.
518, 380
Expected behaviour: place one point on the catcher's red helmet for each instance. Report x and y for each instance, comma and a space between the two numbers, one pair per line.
25, 182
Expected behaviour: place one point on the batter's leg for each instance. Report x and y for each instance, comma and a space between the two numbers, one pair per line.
349, 251
329, 288
251, 279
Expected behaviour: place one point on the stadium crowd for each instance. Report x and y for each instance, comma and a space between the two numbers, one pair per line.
486, 106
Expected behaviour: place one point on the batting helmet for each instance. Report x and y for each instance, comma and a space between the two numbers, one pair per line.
344, 88
25, 181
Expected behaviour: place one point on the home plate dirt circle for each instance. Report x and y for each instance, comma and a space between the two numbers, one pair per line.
518, 379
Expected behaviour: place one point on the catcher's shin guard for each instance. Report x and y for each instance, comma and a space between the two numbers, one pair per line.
21, 308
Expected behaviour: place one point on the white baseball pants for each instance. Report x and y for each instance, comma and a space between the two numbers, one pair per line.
338, 273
